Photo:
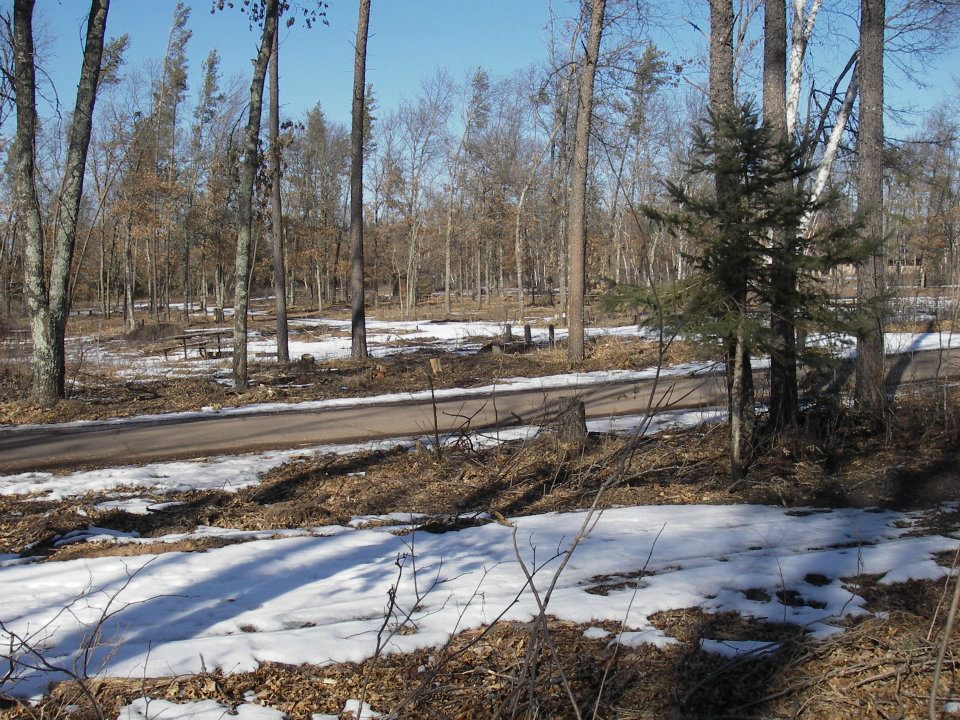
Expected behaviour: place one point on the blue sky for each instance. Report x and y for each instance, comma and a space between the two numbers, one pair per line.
409, 39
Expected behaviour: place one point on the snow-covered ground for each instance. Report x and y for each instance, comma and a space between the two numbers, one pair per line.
319, 594
320, 598
325, 339
329, 339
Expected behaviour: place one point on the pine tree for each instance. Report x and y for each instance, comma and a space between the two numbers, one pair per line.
737, 273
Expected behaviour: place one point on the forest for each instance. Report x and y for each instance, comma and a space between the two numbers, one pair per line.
618, 384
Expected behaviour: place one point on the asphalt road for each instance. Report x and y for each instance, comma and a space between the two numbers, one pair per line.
101, 445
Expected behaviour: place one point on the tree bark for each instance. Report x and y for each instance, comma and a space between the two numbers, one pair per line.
279, 268
830, 150
129, 278
869, 388
49, 306
741, 425
784, 403
802, 29
447, 253
35, 286
248, 176
576, 209
721, 67
358, 325
741, 411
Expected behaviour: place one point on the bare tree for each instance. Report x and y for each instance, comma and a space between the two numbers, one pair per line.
358, 326
276, 206
784, 403
869, 386
801, 29
49, 307
422, 126
248, 176
576, 209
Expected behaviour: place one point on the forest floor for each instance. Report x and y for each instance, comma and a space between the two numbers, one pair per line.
881, 665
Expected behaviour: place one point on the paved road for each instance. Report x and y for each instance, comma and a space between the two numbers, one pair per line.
102, 444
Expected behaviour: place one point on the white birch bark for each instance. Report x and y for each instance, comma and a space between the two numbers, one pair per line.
801, 30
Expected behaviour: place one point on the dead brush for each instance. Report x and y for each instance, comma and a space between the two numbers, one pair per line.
923, 413
155, 332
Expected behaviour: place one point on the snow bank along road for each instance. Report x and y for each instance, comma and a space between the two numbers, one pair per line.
529, 401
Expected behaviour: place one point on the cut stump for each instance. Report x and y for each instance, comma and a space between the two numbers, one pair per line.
570, 423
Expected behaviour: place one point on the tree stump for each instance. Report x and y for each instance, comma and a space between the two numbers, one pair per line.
527, 335
571, 421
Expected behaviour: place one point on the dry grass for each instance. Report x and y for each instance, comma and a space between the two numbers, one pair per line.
104, 395
877, 669
913, 466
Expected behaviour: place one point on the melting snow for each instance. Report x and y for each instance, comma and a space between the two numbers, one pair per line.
321, 599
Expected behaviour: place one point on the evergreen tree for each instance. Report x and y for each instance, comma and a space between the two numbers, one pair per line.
728, 297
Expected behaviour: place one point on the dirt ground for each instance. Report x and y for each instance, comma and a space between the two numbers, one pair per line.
881, 668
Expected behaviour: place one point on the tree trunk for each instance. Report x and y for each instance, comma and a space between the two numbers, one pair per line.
186, 276
576, 224
316, 272
830, 150
248, 176
413, 260
741, 411
50, 308
152, 251
447, 251
358, 324
479, 268
129, 280
784, 403
571, 422
518, 252
741, 423
45, 389
802, 29
869, 387
220, 291
276, 208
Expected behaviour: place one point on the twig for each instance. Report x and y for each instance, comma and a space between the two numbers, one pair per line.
947, 630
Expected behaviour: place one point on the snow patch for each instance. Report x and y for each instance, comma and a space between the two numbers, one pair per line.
155, 709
